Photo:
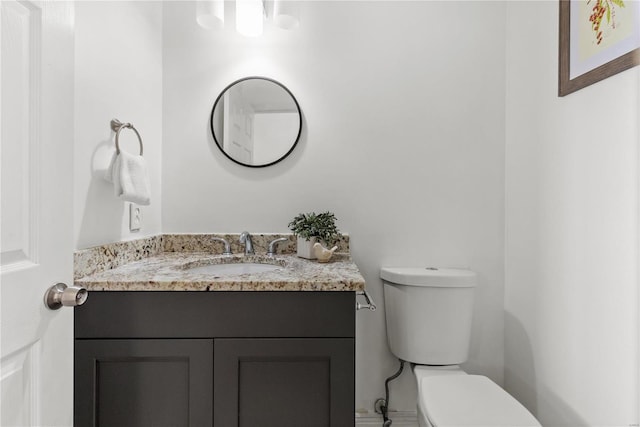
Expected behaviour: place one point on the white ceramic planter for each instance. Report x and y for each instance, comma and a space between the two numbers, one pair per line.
305, 248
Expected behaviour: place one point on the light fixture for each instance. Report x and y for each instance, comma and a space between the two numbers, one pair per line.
286, 14
210, 13
249, 17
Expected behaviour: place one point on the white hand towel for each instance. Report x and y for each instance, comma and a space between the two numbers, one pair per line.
128, 173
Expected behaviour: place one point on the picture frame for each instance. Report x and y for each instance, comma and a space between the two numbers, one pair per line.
598, 39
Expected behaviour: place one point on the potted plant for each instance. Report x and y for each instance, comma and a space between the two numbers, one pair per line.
310, 228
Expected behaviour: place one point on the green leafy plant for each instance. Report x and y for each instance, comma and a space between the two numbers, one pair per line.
322, 226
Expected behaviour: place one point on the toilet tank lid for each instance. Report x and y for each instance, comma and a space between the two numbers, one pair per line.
429, 277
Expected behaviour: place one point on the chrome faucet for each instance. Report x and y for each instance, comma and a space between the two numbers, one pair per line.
245, 239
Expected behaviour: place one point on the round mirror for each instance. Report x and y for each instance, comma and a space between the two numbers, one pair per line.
256, 122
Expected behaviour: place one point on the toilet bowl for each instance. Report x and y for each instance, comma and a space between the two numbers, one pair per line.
453, 398
429, 313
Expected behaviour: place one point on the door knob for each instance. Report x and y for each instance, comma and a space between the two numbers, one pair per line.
62, 295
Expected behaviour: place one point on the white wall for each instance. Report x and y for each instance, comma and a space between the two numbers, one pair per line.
118, 75
403, 138
571, 302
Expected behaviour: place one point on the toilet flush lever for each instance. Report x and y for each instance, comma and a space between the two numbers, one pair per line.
370, 304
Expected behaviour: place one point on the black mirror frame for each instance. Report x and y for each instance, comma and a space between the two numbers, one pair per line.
299, 122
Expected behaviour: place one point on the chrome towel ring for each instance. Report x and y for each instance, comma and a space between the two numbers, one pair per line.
117, 126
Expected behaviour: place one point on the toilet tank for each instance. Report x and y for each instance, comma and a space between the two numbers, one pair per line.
429, 313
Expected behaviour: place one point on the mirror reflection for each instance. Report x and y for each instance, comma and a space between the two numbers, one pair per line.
256, 121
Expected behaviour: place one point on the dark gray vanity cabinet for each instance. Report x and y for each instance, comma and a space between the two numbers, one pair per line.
222, 359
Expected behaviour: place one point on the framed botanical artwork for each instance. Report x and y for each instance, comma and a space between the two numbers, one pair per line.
598, 38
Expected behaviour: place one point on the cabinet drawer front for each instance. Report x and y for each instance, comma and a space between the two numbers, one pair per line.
284, 382
216, 314
143, 383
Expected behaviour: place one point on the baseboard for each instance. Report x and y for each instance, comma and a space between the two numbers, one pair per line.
400, 419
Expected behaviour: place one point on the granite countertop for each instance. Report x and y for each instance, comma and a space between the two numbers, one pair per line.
168, 271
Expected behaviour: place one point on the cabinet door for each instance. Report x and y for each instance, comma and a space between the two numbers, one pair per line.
284, 382
143, 383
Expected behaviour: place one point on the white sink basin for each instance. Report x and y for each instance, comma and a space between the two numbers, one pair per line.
233, 269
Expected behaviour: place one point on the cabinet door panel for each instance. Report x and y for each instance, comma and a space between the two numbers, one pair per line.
143, 383
284, 382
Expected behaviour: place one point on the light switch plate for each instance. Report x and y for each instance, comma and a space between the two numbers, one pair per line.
135, 217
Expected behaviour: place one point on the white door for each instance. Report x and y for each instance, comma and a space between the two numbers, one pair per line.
36, 236
238, 126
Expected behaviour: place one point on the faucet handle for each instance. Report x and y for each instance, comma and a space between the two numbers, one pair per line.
272, 245
227, 246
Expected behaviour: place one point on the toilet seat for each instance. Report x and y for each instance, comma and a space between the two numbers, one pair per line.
470, 400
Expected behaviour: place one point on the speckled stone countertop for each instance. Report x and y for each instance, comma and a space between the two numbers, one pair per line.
169, 271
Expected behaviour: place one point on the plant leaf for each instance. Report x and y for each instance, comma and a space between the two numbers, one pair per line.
322, 226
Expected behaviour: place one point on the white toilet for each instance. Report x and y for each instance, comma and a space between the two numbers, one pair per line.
429, 313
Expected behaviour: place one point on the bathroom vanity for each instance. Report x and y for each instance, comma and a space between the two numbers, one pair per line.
159, 343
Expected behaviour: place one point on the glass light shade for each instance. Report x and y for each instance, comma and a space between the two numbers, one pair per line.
210, 14
286, 14
249, 17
